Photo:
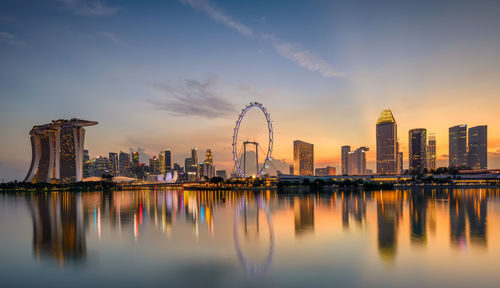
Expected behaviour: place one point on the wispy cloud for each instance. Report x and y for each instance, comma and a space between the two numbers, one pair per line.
109, 36
12, 40
303, 58
194, 98
89, 7
218, 15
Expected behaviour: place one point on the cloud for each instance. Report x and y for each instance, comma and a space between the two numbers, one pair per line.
194, 98
12, 40
109, 36
218, 15
89, 7
303, 58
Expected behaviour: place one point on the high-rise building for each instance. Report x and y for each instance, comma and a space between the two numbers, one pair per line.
124, 168
114, 164
221, 173
168, 161
134, 168
357, 161
417, 144
191, 164
399, 164
154, 165
57, 151
431, 152
208, 166
100, 166
458, 146
161, 163
386, 143
345, 166
478, 147
303, 158
86, 162
327, 171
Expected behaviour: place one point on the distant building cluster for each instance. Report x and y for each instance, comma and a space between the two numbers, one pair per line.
467, 151
160, 168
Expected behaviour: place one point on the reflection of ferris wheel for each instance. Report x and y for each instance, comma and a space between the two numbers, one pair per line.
254, 269
242, 172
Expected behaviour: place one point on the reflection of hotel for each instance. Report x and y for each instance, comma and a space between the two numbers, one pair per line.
58, 227
389, 210
304, 215
57, 151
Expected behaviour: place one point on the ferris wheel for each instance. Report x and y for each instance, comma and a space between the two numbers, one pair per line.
261, 171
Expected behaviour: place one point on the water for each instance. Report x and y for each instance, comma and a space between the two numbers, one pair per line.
418, 238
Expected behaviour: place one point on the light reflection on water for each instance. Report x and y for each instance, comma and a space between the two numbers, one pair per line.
421, 237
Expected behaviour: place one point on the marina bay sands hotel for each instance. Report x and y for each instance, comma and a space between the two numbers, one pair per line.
57, 151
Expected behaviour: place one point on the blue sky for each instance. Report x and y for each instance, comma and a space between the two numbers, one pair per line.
174, 74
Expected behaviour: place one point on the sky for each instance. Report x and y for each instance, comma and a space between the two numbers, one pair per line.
175, 74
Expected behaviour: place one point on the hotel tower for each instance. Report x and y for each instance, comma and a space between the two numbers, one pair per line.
57, 151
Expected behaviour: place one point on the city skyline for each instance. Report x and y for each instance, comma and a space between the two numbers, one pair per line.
62, 61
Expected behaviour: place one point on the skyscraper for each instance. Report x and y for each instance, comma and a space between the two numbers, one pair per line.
386, 143
168, 161
417, 144
57, 151
165, 162
478, 147
154, 165
345, 151
124, 167
113, 164
431, 152
357, 161
209, 168
303, 158
458, 146
399, 159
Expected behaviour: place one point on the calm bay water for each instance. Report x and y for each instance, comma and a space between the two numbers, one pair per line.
165, 238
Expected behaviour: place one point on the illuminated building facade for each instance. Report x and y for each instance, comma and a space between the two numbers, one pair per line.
386, 143
154, 165
345, 152
431, 152
303, 158
417, 145
327, 171
124, 160
357, 161
458, 146
478, 147
57, 151
208, 166
113, 164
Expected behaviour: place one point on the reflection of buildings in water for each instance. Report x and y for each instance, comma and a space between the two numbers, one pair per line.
353, 205
58, 230
389, 211
304, 214
476, 212
418, 217
253, 268
431, 215
471, 206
